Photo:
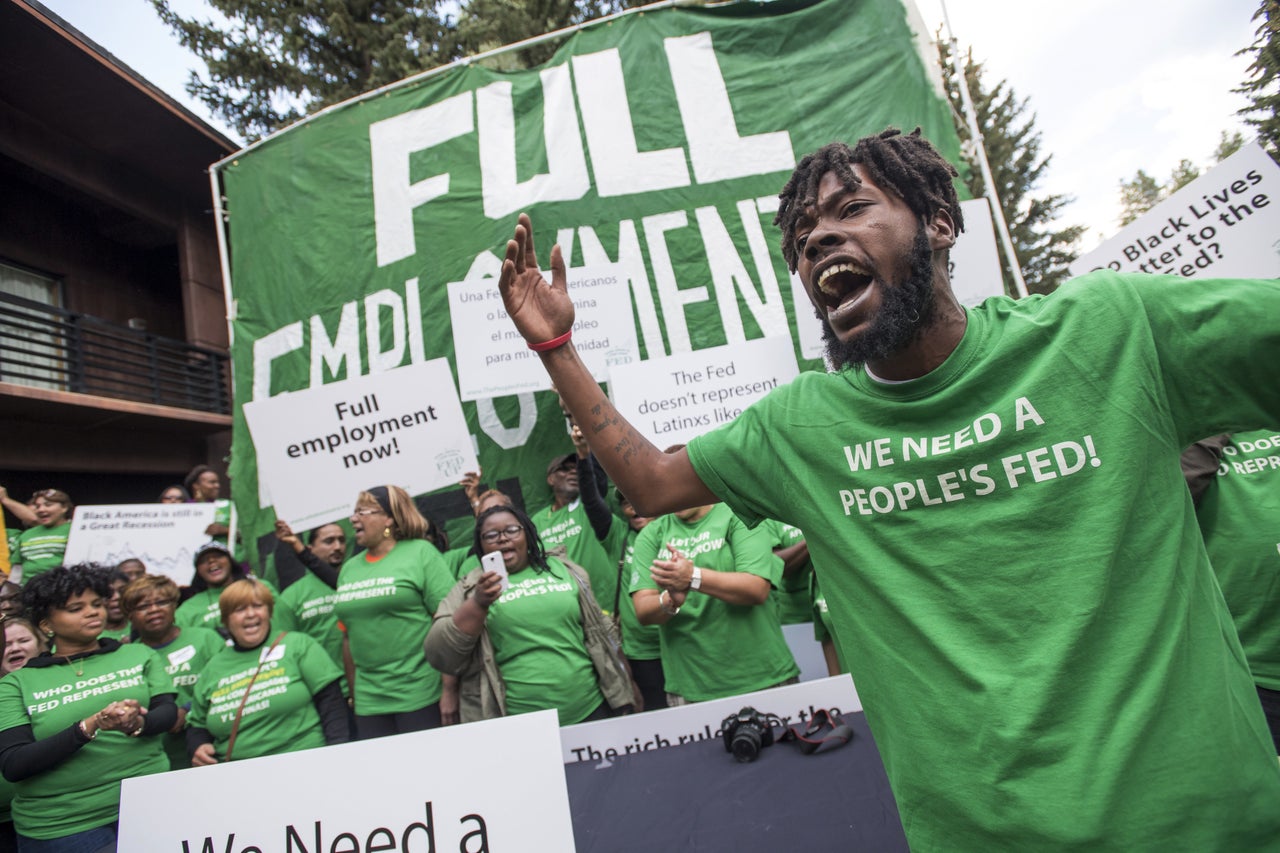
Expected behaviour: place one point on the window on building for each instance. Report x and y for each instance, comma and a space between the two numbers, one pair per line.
31, 351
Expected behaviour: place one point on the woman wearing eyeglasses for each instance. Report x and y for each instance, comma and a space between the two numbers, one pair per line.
541, 643
150, 603
385, 598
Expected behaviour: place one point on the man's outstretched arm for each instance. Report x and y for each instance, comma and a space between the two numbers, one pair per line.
654, 482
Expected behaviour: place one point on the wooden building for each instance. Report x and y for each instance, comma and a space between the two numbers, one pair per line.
113, 333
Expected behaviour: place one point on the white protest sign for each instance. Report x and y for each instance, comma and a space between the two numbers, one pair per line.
1224, 224
496, 785
494, 360
163, 536
795, 704
318, 448
973, 261
671, 400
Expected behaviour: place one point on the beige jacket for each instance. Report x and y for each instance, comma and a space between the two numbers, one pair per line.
482, 692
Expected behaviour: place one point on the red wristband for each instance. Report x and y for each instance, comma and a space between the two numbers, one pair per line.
553, 343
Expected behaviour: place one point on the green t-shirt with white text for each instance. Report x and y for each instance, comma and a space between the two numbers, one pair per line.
184, 660
386, 606
83, 791
1014, 571
41, 548
314, 602
538, 643
280, 714
1240, 518
569, 527
712, 649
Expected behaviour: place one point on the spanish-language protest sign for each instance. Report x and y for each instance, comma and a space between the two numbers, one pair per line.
654, 143
494, 360
496, 785
1224, 224
317, 449
671, 400
164, 537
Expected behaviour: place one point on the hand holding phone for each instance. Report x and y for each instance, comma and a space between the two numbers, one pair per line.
492, 562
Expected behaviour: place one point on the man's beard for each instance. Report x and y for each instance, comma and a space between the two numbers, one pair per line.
905, 309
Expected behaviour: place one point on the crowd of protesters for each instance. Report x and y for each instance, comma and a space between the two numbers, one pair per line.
369, 628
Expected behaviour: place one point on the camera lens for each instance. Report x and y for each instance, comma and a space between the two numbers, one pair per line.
746, 743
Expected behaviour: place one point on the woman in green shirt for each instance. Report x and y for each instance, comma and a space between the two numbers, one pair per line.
75, 722
537, 641
150, 603
269, 692
386, 597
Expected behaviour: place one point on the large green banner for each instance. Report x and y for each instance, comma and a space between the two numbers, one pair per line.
656, 140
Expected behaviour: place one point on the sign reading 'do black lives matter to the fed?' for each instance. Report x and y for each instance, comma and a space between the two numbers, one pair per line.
494, 360
1224, 224
317, 449
671, 400
496, 786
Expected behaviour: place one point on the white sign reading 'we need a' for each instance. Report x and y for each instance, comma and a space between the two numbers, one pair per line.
494, 360
671, 400
497, 785
317, 449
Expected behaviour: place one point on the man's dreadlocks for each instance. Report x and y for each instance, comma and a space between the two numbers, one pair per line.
903, 164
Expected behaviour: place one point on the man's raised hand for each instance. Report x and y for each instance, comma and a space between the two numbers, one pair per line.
541, 311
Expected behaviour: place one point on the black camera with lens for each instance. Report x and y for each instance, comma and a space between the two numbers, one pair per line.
746, 733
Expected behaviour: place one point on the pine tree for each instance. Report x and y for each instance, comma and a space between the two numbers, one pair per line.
1138, 195
270, 62
1263, 86
1143, 192
1013, 152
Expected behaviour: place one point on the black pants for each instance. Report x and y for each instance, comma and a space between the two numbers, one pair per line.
380, 725
1271, 707
651, 681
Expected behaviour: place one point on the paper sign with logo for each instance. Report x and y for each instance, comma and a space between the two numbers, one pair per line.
163, 536
671, 400
318, 448
1224, 224
495, 785
794, 703
494, 360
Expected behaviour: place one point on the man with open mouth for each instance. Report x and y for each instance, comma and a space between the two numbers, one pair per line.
995, 510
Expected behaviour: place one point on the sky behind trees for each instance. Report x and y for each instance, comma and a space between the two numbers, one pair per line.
1116, 87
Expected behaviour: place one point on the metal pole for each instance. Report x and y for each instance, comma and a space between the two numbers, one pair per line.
971, 119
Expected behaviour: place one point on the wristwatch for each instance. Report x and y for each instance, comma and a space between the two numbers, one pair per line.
664, 602
695, 582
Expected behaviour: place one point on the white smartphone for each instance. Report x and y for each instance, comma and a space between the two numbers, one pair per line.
492, 562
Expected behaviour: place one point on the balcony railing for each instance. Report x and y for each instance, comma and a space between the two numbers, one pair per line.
49, 347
